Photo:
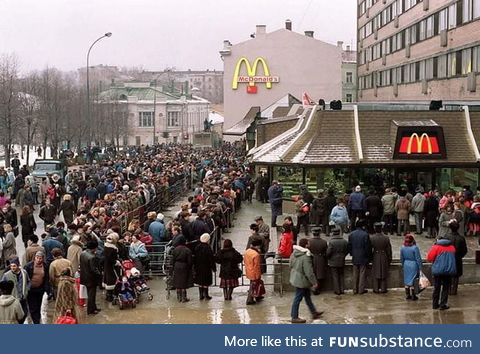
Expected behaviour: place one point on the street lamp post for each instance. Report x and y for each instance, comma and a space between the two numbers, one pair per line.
89, 123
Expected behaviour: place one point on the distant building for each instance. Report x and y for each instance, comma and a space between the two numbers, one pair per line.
414, 50
207, 84
349, 74
262, 70
154, 115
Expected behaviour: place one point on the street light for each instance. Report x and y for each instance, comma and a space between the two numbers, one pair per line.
108, 34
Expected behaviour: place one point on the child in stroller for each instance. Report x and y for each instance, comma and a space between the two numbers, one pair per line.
124, 293
138, 281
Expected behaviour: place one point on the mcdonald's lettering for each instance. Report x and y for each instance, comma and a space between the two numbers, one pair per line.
252, 78
419, 144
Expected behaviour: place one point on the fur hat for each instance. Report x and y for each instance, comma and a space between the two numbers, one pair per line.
205, 238
160, 216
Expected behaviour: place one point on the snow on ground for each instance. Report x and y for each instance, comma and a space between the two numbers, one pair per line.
16, 148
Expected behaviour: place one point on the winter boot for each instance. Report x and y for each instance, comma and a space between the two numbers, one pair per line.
179, 295
205, 292
412, 292
200, 293
184, 296
407, 292
225, 293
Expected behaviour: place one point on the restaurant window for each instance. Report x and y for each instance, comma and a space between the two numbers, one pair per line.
291, 179
456, 178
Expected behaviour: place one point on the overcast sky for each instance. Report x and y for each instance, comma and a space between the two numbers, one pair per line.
155, 34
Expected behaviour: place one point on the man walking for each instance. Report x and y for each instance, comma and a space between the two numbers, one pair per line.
275, 197
302, 278
360, 248
39, 285
382, 257
90, 275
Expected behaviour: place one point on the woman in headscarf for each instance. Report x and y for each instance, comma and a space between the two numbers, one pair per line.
181, 268
204, 263
66, 297
411, 264
229, 259
111, 270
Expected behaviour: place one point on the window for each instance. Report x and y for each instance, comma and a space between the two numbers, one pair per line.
467, 11
454, 64
476, 58
348, 97
414, 71
452, 16
430, 25
443, 19
442, 66
406, 73
349, 77
413, 34
476, 8
429, 69
399, 75
145, 119
423, 30
173, 119
467, 61
400, 6
394, 9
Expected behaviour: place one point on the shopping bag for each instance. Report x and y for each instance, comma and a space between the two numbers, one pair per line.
423, 282
67, 318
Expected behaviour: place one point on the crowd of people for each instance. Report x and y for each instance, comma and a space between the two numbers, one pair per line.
112, 213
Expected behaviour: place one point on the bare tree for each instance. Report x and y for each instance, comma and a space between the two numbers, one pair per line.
9, 102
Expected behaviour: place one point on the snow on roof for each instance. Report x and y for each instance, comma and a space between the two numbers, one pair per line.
215, 117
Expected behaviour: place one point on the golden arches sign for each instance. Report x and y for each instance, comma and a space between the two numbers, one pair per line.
252, 77
419, 141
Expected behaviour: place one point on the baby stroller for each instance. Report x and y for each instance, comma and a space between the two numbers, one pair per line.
124, 293
136, 280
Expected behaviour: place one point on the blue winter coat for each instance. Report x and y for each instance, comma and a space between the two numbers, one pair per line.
411, 263
157, 231
356, 201
275, 195
442, 257
359, 247
339, 216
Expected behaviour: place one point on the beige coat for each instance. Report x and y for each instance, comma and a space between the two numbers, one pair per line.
73, 255
57, 267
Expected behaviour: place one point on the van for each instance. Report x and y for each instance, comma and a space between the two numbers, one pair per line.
51, 167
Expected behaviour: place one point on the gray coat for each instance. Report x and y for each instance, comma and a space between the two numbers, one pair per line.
318, 248
337, 251
382, 255
443, 222
301, 268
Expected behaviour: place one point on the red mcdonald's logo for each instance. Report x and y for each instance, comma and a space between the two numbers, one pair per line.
415, 144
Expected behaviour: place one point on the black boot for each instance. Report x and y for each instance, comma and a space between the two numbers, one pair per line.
230, 292
179, 295
407, 292
225, 293
184, 296
200, 293
205, 292
412, 292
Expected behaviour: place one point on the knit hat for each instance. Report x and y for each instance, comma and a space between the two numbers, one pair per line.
14, 260
160, 216
205, 238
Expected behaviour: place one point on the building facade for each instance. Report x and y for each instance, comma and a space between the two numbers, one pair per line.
418, 50
272, 65
153, 115
349, 74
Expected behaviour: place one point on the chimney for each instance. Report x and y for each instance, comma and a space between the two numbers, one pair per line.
261, 30
340, 44
288, 25
309, 33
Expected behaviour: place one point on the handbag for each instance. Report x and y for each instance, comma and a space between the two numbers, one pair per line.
67, 318
423, 282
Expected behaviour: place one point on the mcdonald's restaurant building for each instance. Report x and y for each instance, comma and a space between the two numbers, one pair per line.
386, 146
270, 66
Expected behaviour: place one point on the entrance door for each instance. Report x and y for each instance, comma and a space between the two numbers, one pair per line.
411, 179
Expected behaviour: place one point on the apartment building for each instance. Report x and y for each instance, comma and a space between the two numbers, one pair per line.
418, 50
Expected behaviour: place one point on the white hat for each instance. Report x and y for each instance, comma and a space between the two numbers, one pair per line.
358, 189
160, 216
205, 238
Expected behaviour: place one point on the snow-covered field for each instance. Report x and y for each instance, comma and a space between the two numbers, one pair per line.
33, 155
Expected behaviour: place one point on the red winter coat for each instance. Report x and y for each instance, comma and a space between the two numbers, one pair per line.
285, 248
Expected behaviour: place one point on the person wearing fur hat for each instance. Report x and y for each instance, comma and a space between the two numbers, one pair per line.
90, 275
21, 282
204, 265
11, 311
336, 252
74, 251
151, 216
37, 271
302, 278
68, 208
111, 264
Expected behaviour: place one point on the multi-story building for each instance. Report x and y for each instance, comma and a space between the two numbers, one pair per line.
207, 84
349, 74
269, 66
411, 50
154, 115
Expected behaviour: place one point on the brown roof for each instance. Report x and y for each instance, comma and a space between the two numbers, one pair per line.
475, 122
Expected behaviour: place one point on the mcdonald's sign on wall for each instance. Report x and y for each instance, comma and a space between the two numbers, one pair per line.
252, 78
420, 142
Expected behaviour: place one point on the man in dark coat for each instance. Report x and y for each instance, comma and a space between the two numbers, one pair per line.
318, 248
15, 165
360, 249
330, 203
336, 252
382, 257
48, 213
356, 205
275, 197
90, 276
199, 226
204, 265
458, 241
181, 268
374, 209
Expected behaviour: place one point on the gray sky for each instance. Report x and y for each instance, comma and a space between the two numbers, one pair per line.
186, 34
